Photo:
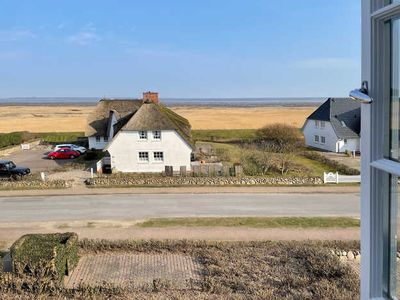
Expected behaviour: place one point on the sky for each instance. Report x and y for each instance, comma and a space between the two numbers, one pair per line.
180, 48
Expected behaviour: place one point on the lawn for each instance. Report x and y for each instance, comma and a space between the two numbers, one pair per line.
224, 136
256, 222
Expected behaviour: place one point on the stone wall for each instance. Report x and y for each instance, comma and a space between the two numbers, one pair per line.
33, 184
104, 181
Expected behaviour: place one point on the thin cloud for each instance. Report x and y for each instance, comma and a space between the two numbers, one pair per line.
11, 55
12, 35
327, 63
86, 36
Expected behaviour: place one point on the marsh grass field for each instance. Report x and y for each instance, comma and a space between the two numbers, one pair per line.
73, 118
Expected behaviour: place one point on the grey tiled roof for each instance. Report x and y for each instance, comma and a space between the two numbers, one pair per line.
343, 113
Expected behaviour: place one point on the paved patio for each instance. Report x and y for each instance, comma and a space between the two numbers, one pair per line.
134, 270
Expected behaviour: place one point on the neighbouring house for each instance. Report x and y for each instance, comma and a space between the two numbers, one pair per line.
140, 135
334, 126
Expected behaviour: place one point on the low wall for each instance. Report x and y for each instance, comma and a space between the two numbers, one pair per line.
33, 184
105, 181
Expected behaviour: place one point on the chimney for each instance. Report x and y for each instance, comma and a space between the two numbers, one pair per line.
150, 97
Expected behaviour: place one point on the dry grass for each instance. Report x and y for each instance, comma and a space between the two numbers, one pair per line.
73, 118
236, 270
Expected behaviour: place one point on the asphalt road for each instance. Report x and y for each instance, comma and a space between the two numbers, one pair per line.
138, 207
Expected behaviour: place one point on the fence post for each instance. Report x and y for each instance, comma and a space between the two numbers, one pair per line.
337, 177
324, 177
91, 173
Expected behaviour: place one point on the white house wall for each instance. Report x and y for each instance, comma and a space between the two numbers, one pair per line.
125, 147
98, 145
351, 145
310, 131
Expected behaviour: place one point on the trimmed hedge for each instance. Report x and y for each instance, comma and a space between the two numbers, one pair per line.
341, 168
17, 138
55, 254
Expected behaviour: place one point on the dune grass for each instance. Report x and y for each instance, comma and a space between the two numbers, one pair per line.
255, 222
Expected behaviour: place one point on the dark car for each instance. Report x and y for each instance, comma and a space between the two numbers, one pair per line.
9, 170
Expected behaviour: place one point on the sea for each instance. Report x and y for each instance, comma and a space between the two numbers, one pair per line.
207, 102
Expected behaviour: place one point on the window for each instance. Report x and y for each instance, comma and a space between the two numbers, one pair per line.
316, 123
157, 134
322, 139
158, 156
143, 156
316, 138
97, 139
345, 141
106, 138
142, 135
322, 124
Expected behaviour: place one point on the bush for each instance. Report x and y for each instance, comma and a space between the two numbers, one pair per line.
282, 137
341, 168
10, 139
54, 254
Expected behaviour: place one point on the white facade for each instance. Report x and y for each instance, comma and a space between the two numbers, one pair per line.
97, 142
128, 151
321, 135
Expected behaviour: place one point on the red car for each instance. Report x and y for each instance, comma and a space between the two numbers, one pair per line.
63, 153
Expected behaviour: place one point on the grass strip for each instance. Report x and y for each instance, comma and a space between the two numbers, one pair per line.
255, 222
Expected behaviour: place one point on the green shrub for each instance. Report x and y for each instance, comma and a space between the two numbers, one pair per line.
54, 254
224, 135
341, 168
281, 137
10, 139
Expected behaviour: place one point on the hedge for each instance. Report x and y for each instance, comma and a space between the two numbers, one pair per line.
56, 253
341, 168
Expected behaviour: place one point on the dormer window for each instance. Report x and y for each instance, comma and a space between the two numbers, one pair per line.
142, 135
157, 134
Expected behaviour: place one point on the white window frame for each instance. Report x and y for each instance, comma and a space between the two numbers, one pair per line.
323, 140
316, 138
155, 134
376, 233
143, 135
316, 123
157, 160
322, 124
140, 159
98, 138
105, 138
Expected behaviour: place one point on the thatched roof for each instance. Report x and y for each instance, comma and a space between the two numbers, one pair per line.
134, 115
152, 116
98, 120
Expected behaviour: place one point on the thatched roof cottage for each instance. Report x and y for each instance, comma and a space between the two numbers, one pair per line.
141, 135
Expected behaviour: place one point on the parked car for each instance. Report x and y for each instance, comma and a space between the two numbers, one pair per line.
63, 153
9, 170
74, 147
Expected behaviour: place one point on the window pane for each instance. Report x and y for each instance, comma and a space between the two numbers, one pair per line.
394, 99
394, 287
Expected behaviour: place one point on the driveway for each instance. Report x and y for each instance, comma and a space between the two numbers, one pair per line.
36, 159
351, 162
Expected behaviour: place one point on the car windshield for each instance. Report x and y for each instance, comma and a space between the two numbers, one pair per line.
10, 165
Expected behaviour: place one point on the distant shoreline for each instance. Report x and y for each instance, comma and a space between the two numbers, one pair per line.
172, 102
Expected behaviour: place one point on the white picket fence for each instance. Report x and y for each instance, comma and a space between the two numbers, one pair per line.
337, 178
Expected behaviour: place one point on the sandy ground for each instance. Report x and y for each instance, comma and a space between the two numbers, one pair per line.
73, 118
122, 231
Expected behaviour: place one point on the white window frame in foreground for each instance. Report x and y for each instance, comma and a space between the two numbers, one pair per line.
143, 156
158, 156
376, 170
142, 135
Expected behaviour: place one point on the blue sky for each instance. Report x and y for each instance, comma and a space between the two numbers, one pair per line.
180, 48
